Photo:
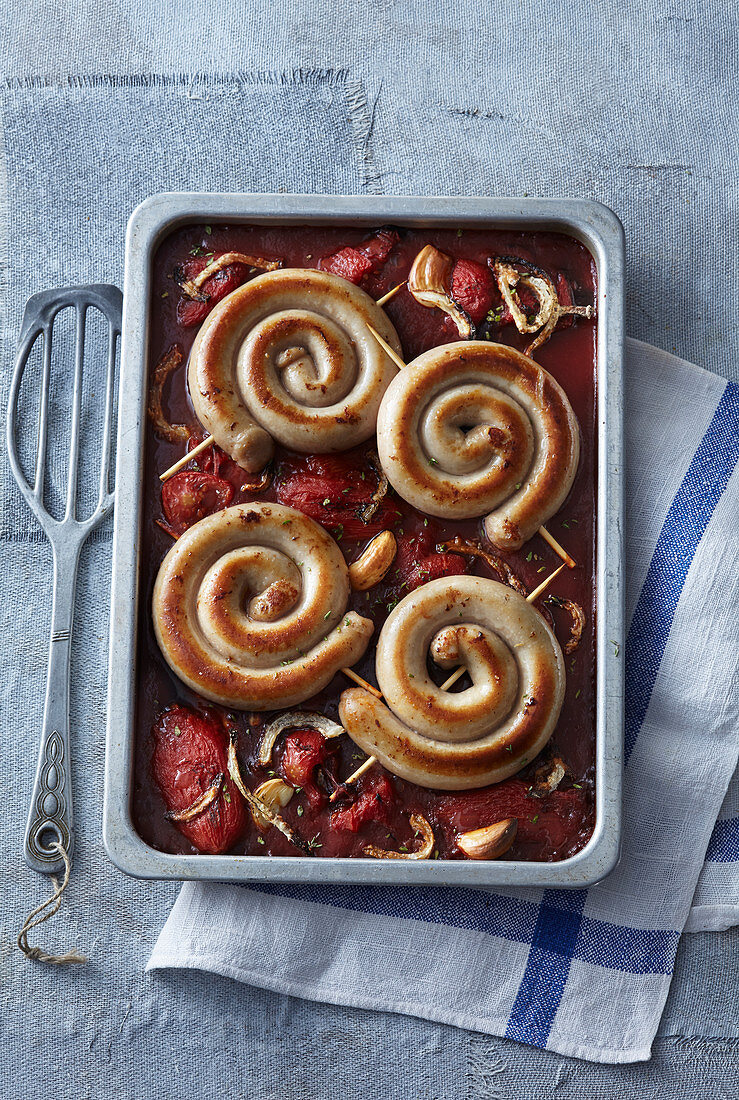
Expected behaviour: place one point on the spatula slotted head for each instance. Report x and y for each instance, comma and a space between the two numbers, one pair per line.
61, 408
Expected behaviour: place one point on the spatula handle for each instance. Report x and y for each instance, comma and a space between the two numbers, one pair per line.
50, 815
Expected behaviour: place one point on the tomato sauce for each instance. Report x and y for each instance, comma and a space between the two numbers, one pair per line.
551, 825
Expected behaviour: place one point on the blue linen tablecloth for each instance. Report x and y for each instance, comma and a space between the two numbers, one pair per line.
634, 110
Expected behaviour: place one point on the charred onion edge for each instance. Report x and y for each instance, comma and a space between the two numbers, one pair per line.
191, 287
256, 805
173, 433
365, 512
201, 804
508, 274
490, 841
419, 824
429, 281
259, 482
549, 776
472, 549
294, 720
576, 626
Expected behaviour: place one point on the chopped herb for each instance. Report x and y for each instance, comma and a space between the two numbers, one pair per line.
518, 486
327, 615
272, 773
509, 748
260, 840
226, 794
578, 693
432, 461
285, 522
300, 811
314, 843
541, 569
166, 294
534, 819
425, 522
391, 605
411, 676
459, 232
616, 647
403, 847
565, 524
529, 556
208, 230
177, 731
577, 786
326, 502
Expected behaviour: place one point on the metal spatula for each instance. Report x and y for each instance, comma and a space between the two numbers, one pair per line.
50, 815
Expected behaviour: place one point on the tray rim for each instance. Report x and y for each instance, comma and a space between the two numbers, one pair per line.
598, 228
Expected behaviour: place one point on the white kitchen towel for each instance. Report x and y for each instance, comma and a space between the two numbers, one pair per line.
586, 972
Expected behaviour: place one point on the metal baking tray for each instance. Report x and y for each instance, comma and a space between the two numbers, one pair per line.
601, 232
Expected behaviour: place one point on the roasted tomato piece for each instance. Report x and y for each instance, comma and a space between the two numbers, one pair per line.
353, 263
473, 289
190, 752
434, 566
192, 312
418, 561
303, 751
332, 489
548, 826
348, 263
191, 495
372, 804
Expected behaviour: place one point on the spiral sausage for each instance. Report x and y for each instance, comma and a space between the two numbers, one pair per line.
289, 357
249, 608
471, 738
473, 429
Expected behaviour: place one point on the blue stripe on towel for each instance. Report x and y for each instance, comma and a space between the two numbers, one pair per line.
684, 526
547, 967
723, 846
634, 951
556, 930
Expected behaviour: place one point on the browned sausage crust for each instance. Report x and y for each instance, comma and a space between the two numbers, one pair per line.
249, 608
453, 740
477, 429
288, 356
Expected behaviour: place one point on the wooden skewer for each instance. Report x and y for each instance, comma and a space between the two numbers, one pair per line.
186, 458
362, 683
454, 677
569, 562
390, 294
207, 442
545, 583
363, 767
386, 347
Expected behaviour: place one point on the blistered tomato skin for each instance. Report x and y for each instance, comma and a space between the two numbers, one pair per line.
190, 311
304, 751
191, 495
473, 289
373, 803
190, 751
353, 263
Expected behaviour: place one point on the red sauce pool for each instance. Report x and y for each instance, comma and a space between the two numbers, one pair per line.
552, 827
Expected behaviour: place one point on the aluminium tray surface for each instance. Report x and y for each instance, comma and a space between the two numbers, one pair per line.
597, 228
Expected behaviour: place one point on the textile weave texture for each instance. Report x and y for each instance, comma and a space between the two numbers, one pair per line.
352, 99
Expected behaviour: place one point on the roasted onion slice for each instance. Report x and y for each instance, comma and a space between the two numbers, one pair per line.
419, 825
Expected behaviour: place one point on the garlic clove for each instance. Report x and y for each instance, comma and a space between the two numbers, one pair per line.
275, 795
489, 842
429, 281
374, 562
